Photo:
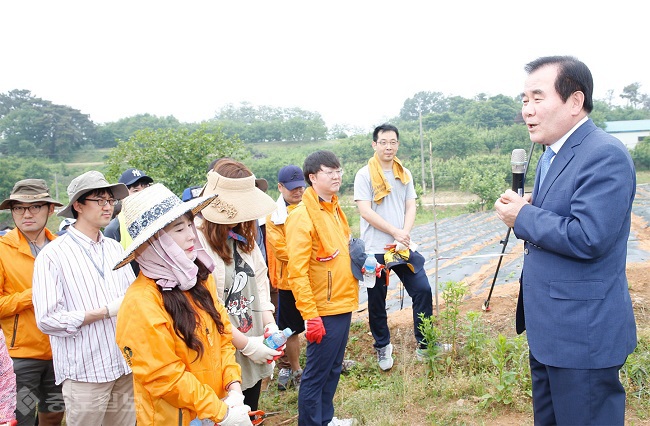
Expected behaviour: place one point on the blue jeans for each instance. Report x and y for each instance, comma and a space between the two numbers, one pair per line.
322, 371
416, 285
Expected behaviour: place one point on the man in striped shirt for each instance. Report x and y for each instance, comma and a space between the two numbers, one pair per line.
76, 296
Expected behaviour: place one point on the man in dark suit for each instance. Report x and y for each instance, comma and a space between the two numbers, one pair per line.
574, 302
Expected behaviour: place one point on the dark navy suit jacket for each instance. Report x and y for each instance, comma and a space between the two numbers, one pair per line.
574, 302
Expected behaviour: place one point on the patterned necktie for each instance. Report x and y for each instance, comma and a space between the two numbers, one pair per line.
544, 164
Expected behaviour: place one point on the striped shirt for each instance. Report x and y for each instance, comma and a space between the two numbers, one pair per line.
74, 274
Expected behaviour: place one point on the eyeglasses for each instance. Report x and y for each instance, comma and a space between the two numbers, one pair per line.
103, 201
383, 143
33, 209
333, 173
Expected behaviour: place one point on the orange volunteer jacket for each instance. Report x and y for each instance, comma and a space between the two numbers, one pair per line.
170, 384
24, 339
320, 288
276, 252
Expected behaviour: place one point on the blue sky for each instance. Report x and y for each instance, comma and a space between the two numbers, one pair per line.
355, 62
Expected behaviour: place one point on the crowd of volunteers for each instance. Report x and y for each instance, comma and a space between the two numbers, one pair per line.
151, 309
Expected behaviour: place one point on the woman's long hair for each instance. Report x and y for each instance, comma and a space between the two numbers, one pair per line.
183, 313
217, 237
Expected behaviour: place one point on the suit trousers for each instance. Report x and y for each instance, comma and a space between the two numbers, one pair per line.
417, 286
320, 377
567, 396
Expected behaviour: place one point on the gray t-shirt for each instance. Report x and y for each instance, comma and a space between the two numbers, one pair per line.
391, 209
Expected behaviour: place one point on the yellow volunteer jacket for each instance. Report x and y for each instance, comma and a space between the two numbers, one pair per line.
320, 288
24, 339
171, 385
276, 252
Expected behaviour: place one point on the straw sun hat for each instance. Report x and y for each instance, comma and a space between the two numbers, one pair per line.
239, 200
150, 210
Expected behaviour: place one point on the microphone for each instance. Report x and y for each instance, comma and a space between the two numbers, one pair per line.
518, 163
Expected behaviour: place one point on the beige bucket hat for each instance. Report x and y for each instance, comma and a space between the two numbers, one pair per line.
87, 182
29, 191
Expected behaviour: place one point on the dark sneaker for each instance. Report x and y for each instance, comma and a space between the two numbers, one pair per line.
347, 366
295, 378
284, 376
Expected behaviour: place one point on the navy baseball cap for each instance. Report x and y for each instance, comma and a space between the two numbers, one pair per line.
191, 193
131, 176
291, 177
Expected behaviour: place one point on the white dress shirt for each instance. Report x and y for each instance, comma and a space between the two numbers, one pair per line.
74, 274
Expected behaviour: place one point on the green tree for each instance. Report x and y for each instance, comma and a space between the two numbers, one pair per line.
504, 139
487, 182
459, 105
455, 140
124, 128
266, 123
631, 93
438, 119
17, 99
177, 158
33, 125
496, 111
600, 112
422, 102
641, 154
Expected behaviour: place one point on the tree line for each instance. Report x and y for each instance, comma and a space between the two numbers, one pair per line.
467, 142
34, 127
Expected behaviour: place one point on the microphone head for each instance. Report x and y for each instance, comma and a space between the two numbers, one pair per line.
518, 160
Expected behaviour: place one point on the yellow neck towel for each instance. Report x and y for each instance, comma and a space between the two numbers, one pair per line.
326, 251
380, 185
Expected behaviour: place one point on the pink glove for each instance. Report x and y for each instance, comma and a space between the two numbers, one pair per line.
315, 330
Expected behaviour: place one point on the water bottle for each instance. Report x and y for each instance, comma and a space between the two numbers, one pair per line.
278, 338
369, 271
199, 422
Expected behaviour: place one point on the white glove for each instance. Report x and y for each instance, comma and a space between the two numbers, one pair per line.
114, 306
399, 246
237, 416
258, 352
270, 328
234, 399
